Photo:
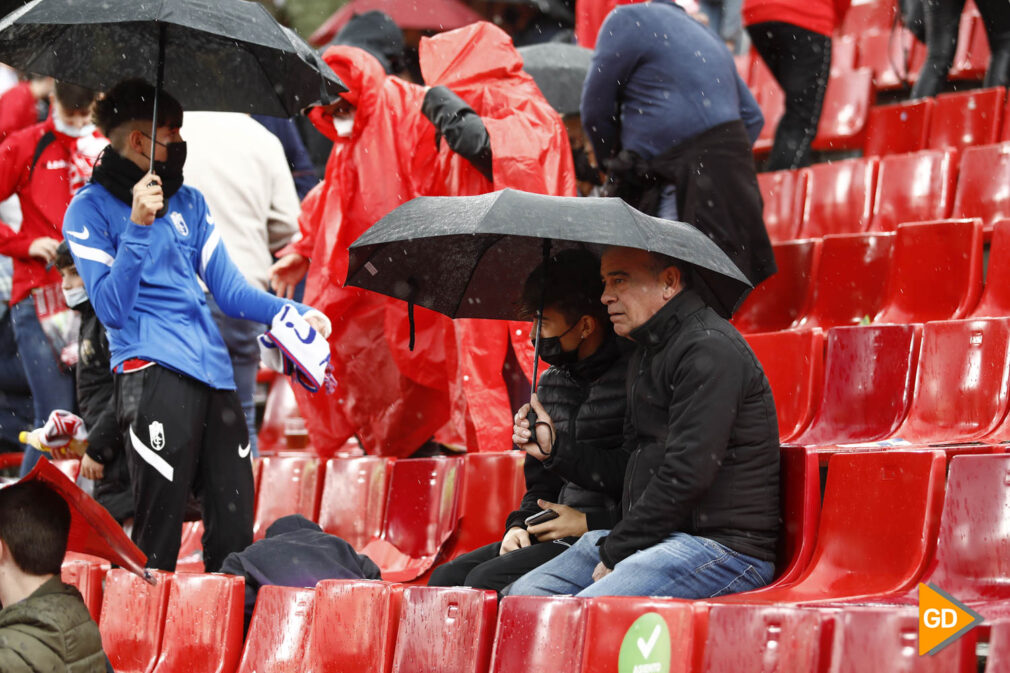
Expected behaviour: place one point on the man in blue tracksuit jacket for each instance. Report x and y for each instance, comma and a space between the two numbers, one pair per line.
140, 242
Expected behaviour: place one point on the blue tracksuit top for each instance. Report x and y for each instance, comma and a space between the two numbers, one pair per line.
658, 77
142, 282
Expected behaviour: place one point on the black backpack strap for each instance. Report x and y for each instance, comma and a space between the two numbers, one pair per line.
45, 141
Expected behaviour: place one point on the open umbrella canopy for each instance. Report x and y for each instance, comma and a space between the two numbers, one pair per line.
439, 15
560, 71
226, 55
468, 256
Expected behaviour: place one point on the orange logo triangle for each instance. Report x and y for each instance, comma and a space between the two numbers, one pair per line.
942, 619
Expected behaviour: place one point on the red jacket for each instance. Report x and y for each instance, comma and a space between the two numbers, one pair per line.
62, 168
17, 109
819, 16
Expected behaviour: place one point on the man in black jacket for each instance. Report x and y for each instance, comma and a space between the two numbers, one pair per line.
584, 390
105, 460
700, 503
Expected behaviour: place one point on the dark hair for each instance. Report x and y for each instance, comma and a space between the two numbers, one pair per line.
73, 97
133, 100
63, 259
661, 262
34, 524
573, 287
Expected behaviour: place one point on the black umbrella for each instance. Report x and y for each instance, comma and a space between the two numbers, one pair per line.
554, 8
227, 55
560, 71
468, 256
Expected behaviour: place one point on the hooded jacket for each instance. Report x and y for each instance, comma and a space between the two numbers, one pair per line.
50, 631
702, 437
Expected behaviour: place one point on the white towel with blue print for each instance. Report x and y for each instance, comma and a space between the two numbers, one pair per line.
294, 347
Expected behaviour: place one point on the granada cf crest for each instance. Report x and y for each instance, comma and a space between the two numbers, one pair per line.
156, 431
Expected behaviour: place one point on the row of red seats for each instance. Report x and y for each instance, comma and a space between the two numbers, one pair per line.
878, 193
888, 521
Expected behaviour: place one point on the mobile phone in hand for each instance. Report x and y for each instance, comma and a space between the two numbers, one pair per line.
543, 516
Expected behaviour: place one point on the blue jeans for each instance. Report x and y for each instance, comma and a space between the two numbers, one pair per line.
52, 388
240, 337
681, 566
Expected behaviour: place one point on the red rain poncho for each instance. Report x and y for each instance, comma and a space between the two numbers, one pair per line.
391, 398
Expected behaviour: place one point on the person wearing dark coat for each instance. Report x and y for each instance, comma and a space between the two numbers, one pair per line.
584, 391
296, 553
700, 510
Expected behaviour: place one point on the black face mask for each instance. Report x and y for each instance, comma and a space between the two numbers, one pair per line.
585, 171
553, 354
170, 170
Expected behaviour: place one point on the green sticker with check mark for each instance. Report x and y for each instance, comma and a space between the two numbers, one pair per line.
646, 646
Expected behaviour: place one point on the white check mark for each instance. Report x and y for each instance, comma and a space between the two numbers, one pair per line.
83, 235
645, 647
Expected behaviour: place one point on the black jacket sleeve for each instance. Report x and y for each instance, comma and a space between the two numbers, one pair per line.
540, 484
95, 397
706, 382
461, 127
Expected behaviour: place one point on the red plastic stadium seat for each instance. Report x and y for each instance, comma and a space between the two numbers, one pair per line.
760, 75
1006, 122
353, 627
900, 128
743, 66
851, 278
772, 101
288, 485
913, 188
782, 192
843, 55
868, 381
839, 197
421, 514
846, 108
354, 498
278, 631
493, 484
133, 618
886, 639
780, 300
792, 361
961, 384
87, 576
894, 57
999, 647
608, 619
281, 405
866, 16
877, 529
971, 59
800, 499
964, 119
540, 634
445, 630
995, 301
191, 548
203, 624
936, 272
781, 638
981, 185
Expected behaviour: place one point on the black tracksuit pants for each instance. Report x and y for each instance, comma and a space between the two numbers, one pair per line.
181, 436
483, 568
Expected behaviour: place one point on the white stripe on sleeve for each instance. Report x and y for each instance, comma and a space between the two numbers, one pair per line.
93, 254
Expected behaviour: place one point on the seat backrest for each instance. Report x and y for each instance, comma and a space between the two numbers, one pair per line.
846, 107
967, 118
772, 101
839, 197
353, 504
878, 525
886, 639
973, 547
353, 627
800, 500
981, 185
936, 272
493, 484
278, 631
666, 626
869, 372
288, 485
782, 193
961, 383
913, 188
445, 629
422, 504
792, 360
999, 646
203, 623
851, 278
191, 548
895, 57
133, 619
971, 58
866, 16
87, 576
783, 298
995, 301
280, 406
539, 634
897, 129
781, 638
